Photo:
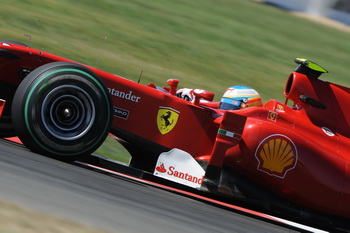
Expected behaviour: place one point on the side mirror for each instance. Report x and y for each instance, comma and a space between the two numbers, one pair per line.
173, 85
202, 94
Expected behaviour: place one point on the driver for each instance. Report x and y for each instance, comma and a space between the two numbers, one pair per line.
235, 97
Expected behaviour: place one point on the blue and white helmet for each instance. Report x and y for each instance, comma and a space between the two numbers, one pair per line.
237, 97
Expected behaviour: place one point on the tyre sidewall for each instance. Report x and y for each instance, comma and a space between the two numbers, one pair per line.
31, 104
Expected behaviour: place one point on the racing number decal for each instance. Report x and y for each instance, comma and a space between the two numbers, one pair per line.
276, 155
166, 119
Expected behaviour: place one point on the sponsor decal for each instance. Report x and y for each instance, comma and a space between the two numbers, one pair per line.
272, 116
180, 167
328, 131
172, 171
276, 155
124, 95
161, 168
279, 108
121, 113
166, 119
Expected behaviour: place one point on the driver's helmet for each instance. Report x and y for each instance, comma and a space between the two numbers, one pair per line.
237, 97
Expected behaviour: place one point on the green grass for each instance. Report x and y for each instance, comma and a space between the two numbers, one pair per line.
210, 44
113, 150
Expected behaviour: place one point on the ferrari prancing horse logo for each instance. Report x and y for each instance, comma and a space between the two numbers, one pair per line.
166, 119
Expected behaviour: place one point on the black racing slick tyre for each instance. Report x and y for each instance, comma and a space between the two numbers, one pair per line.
62, 110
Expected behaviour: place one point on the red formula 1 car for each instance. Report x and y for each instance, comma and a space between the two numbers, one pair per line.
293, 158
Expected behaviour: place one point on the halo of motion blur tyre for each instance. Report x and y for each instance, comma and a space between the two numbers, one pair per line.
7, 91
62, 110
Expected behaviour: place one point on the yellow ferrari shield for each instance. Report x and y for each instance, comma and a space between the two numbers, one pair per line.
166, 119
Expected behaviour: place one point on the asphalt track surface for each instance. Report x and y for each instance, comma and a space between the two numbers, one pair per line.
109, 203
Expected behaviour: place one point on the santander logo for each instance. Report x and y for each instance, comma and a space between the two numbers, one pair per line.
180, 167
161, 168
172, 171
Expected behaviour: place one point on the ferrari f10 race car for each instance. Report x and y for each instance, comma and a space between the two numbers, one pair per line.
291, 157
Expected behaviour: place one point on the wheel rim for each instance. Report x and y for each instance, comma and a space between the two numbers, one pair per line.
68, 112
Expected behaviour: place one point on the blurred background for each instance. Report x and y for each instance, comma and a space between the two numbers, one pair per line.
334, 9
204, 43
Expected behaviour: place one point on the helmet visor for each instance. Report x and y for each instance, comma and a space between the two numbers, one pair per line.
230, 104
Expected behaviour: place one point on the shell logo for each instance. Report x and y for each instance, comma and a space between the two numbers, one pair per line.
276, 155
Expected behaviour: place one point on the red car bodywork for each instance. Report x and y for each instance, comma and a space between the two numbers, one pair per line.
299, 152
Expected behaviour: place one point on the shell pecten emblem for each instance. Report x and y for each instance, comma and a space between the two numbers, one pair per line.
276, 155
167, 119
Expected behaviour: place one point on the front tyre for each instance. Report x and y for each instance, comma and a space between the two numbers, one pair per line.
62, 110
